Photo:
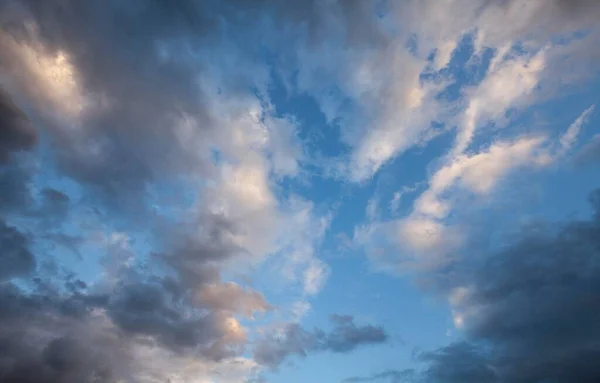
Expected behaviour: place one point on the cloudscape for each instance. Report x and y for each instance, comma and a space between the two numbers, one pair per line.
323, 191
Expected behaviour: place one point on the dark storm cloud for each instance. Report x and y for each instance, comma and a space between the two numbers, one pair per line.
344, 337
16, 260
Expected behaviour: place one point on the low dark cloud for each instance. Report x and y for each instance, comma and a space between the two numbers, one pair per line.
345, 336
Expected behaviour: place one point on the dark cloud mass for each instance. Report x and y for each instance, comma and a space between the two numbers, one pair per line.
530, 311
16, 132
345, 336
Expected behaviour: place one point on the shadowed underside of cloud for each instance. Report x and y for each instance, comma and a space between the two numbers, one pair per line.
295, 340
530, 312
16, 132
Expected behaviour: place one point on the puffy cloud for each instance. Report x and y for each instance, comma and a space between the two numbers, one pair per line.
292, 339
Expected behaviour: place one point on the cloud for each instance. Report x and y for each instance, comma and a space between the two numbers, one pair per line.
48, 337
15, 128
157, 137
508, 84
17, 136
526, 309
459, 362
389, 376
16, 260
159, 133
233, 298
294, 340
568, 139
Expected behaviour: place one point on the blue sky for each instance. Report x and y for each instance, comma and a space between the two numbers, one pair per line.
299, 191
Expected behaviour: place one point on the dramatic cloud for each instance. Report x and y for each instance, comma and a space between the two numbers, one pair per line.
158, 142
294, 340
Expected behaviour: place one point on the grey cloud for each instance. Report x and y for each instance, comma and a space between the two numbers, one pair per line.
149, 309
139, 64
55, 334
458, 363
530, 310
15, 191
294, 340
61, 349
346, 335
115, 50
16, 136
16, 260
16, 132
389, 376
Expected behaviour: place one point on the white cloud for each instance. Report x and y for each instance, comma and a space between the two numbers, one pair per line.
508, 84
568, 139
299, 309
315, 276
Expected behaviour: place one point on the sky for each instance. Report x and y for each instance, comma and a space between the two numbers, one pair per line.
334, 191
